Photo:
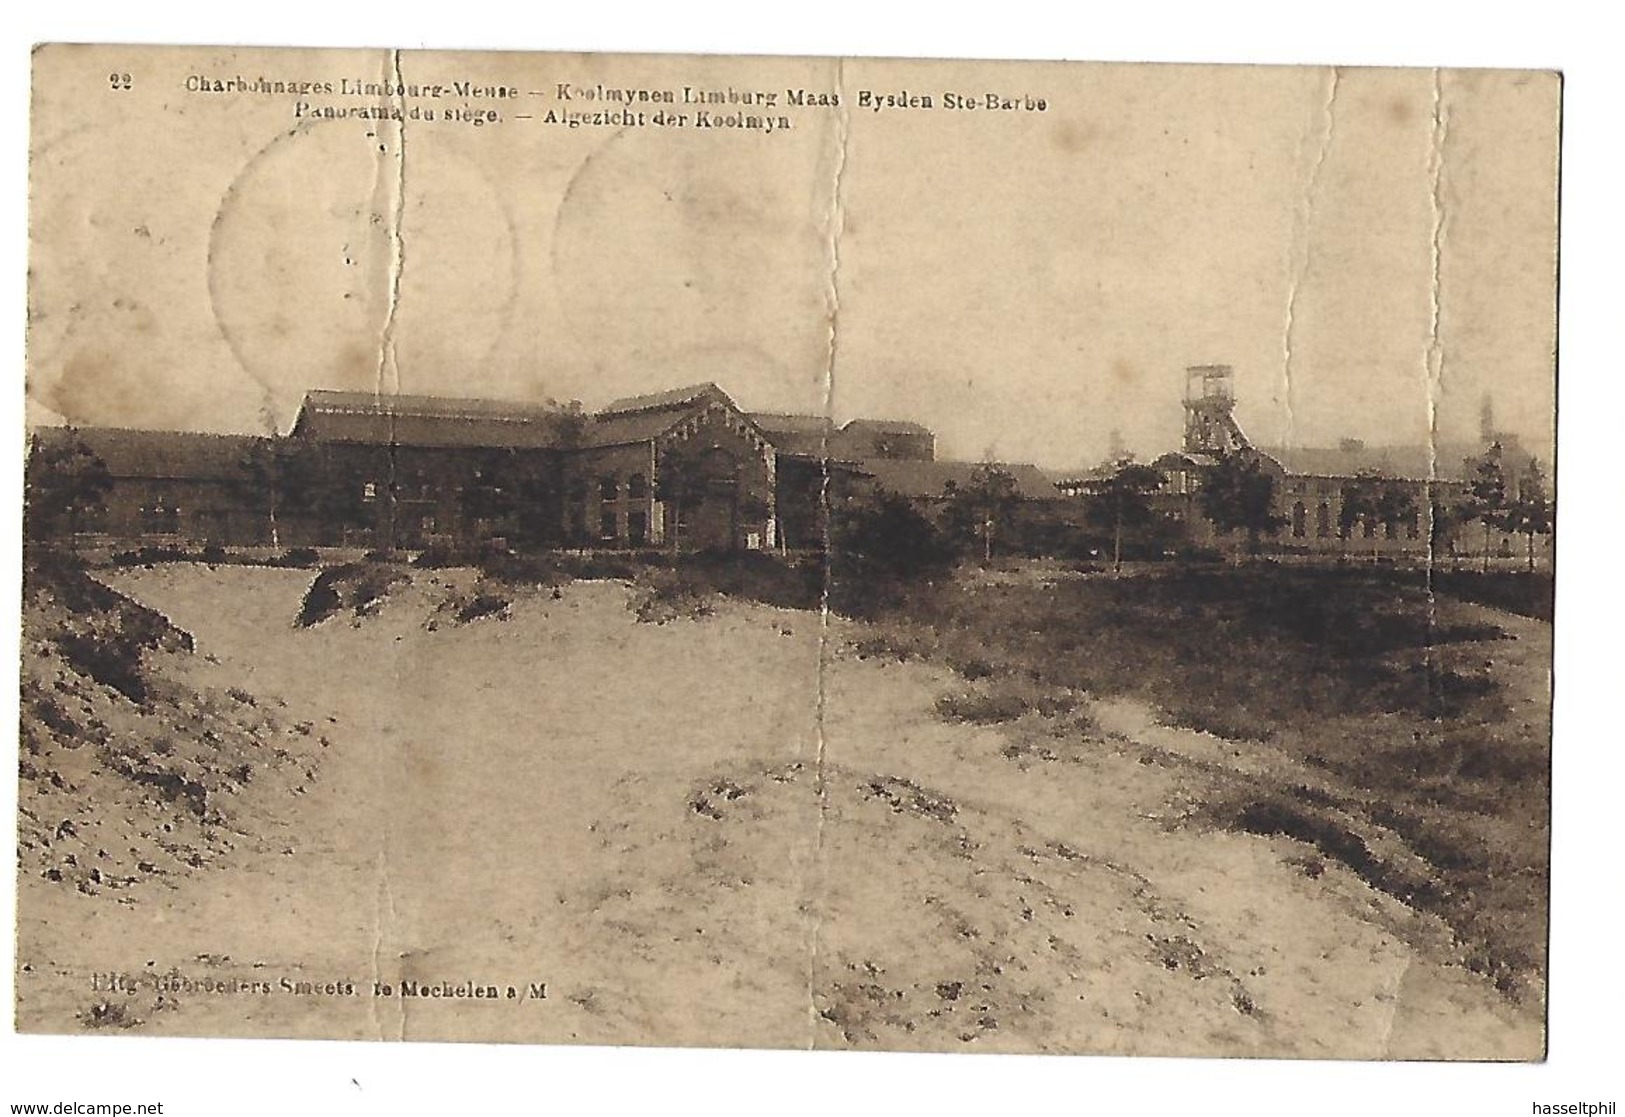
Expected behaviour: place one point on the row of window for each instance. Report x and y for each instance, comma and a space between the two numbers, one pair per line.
637, 526
609, 488
637, 487
1367, 524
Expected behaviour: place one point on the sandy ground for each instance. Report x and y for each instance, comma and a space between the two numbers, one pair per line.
656, 822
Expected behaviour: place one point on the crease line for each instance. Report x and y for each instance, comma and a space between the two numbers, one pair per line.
389, 371
1433, 358
388, 383
832, 302
1302, 246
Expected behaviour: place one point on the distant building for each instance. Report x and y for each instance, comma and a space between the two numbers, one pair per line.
1325, 498
685, 467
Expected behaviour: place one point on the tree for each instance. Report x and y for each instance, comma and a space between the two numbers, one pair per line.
1359, 501
65, 480
1396, 506
680, 481
983, 508
280, 473
569, 421
1238, 494
1487, 495
508, 496
1123, 500
879, 543
1444, 517
1531, 514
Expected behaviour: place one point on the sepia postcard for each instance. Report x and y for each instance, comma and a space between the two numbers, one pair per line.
788, 553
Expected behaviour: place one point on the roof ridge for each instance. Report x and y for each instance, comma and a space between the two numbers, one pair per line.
655, 401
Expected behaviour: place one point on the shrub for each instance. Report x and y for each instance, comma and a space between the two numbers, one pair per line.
881, 545
1003, 702
482, 605
148, 555
755, 576
522, 569
1527, 593
357, 586
669, 595
298, 557
438, 556
597, 566
901, 644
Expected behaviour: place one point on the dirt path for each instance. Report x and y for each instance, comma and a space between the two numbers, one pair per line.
640, 817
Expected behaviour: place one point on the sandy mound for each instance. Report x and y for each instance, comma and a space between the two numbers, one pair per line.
130, 770
926, 925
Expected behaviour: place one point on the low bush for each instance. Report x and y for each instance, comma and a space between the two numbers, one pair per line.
108, 632
1527, 593
483, 604
522, 569
1003, 701
754, 576
669, 595
359, 587
149, 555
599, 566
298, 558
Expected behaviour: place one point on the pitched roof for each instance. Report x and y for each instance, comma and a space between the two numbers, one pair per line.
639, 418
159, 455
655, 401
805, 436
929, 479
1445, 460
633, 426
434, 406
1185, 459
886, 426
776, 423
427, 420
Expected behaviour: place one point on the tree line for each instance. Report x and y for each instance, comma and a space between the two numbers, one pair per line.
67, 483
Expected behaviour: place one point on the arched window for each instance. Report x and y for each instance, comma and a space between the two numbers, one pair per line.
609, 487
1299, 515
637, 486
1323, 520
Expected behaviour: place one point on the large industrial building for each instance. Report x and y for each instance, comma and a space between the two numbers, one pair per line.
685, 467
689, 468
1389, 500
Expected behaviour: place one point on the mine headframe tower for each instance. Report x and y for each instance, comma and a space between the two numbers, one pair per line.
1210, 402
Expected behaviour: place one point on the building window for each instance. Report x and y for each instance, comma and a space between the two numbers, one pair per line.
1390, 529
609, 487
1413, 525
606, 524
1368, 526
161, 519
637, 527
637, 487
1299, 516
1323, 520
369, 491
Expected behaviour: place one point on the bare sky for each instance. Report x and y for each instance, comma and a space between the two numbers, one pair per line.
1358, 244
